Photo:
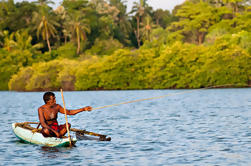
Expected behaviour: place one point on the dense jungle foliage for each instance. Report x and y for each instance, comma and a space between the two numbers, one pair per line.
98, 44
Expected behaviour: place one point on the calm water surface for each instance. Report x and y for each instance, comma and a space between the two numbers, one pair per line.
207, 127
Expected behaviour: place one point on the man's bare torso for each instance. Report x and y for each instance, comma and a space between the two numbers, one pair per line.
50, 113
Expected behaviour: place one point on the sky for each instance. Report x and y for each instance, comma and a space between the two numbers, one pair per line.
159, 4
156, 4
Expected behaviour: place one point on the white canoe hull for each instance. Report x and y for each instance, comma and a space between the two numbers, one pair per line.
28, 136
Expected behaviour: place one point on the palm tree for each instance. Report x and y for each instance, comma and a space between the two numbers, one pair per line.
76, 25
23, 41
20, 40
147, 28
122, 21
45, 25
79, 27
139, 8
9, 42
235, 4
61, 13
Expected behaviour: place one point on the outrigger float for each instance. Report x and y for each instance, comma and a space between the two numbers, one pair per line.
25, 132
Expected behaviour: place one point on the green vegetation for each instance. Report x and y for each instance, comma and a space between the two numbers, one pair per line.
96, 45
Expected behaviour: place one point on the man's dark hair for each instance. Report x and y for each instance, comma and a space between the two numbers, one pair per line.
47, 95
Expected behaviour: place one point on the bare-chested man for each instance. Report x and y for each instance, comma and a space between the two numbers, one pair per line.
48, 114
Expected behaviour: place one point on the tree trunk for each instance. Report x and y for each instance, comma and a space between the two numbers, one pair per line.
65, 39
48, 41
78, 49
148, 35
157, 21
138, 34
201, 37
235, 7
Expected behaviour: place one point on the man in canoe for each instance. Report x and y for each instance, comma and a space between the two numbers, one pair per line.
48, 114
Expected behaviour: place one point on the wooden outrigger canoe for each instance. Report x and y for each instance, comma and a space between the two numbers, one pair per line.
25, 132
29, 134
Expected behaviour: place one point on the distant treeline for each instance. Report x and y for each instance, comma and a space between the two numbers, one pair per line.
96, 45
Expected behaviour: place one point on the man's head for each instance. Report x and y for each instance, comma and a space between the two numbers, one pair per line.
48, 96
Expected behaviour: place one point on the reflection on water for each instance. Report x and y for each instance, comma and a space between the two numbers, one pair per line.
209, 127
50, 149
55, 152
50, 152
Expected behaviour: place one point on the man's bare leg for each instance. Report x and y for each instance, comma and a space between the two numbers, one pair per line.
63, 131
46, 133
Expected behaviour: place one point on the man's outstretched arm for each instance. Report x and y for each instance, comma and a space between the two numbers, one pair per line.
74, 112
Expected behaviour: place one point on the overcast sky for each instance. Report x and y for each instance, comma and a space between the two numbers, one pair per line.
156, 4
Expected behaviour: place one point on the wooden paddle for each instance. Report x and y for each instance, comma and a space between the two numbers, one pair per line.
67, 126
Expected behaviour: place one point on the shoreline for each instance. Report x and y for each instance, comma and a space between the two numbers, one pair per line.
212, 87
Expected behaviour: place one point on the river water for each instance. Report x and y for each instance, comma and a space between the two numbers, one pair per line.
204, 127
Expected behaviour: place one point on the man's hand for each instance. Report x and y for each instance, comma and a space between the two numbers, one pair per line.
88, 108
